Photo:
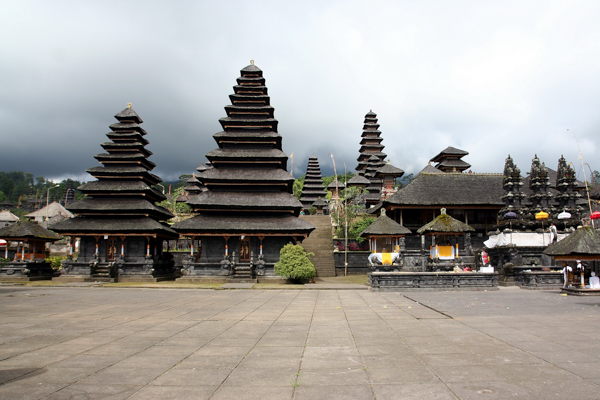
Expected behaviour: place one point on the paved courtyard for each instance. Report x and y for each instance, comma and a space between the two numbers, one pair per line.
114, 343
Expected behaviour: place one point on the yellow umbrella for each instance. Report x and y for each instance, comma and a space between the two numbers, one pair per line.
542, 215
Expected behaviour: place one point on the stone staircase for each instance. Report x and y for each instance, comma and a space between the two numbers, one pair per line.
320, 242
101, 273
242, 273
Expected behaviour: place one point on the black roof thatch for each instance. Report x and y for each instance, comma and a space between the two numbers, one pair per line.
320, 202
91, 225
583, 243
389, 169
358, 180
245, 174
215, 224
449, 151
449, 189
444, 223
385, 226
24, 230
244, 201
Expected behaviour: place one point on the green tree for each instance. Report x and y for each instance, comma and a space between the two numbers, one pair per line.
298, 186
405, 180
178, 209
595, 178
294, 263
183, 179
360, 224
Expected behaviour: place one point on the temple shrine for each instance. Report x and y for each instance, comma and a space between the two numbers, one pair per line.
247, 213
121, 229
313, 184
536, 213
29, 258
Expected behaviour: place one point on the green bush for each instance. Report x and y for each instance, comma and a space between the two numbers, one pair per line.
4, 261
357, 227
55, 262
294, 263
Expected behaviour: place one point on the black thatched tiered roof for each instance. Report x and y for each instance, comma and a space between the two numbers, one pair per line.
370, 145
248, 188
449, 160
313, 183
385, 226
122, 199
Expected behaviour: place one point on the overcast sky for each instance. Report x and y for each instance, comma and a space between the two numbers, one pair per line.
489, 77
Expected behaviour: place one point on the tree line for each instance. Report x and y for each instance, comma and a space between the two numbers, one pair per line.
20, 187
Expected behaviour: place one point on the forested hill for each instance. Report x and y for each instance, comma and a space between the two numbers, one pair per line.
17, 186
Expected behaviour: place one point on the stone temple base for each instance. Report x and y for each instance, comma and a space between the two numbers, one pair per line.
432, 281
539, 280
73, 278
580, 292
202, 279
26, 271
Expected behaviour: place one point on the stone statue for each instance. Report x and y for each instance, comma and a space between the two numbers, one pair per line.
260, 266
225, 266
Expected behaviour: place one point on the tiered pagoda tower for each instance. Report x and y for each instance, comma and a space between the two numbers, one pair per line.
566, 184
540, 187
313, 184
450, 160
370, 145
120, 226
370, 159
248, 212
513, 197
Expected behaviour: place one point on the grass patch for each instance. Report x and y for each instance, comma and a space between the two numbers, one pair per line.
166, 284
350, 279
278, 286
42, 283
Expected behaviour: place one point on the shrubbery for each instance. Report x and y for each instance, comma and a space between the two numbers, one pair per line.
294, 263
55, 262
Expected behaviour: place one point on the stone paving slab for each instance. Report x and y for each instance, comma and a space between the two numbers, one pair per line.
114, 343
237, 286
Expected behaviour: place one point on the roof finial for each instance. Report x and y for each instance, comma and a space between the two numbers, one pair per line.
251, 62
128, 105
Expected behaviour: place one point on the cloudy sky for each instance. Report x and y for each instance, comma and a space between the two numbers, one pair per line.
489, 77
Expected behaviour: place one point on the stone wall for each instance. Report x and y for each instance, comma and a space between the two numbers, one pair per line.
432, 281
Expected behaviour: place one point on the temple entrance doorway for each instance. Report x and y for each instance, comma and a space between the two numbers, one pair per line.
111, 248
244, 250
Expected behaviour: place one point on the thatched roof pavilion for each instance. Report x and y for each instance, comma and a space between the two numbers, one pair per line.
446, 225
583, 244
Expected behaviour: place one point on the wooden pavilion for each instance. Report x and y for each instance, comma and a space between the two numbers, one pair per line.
444, 250
29, 261
386, 240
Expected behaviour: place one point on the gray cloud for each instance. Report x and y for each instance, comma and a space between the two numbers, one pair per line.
491, 78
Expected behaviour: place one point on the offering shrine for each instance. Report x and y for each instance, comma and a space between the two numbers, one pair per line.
29, 261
